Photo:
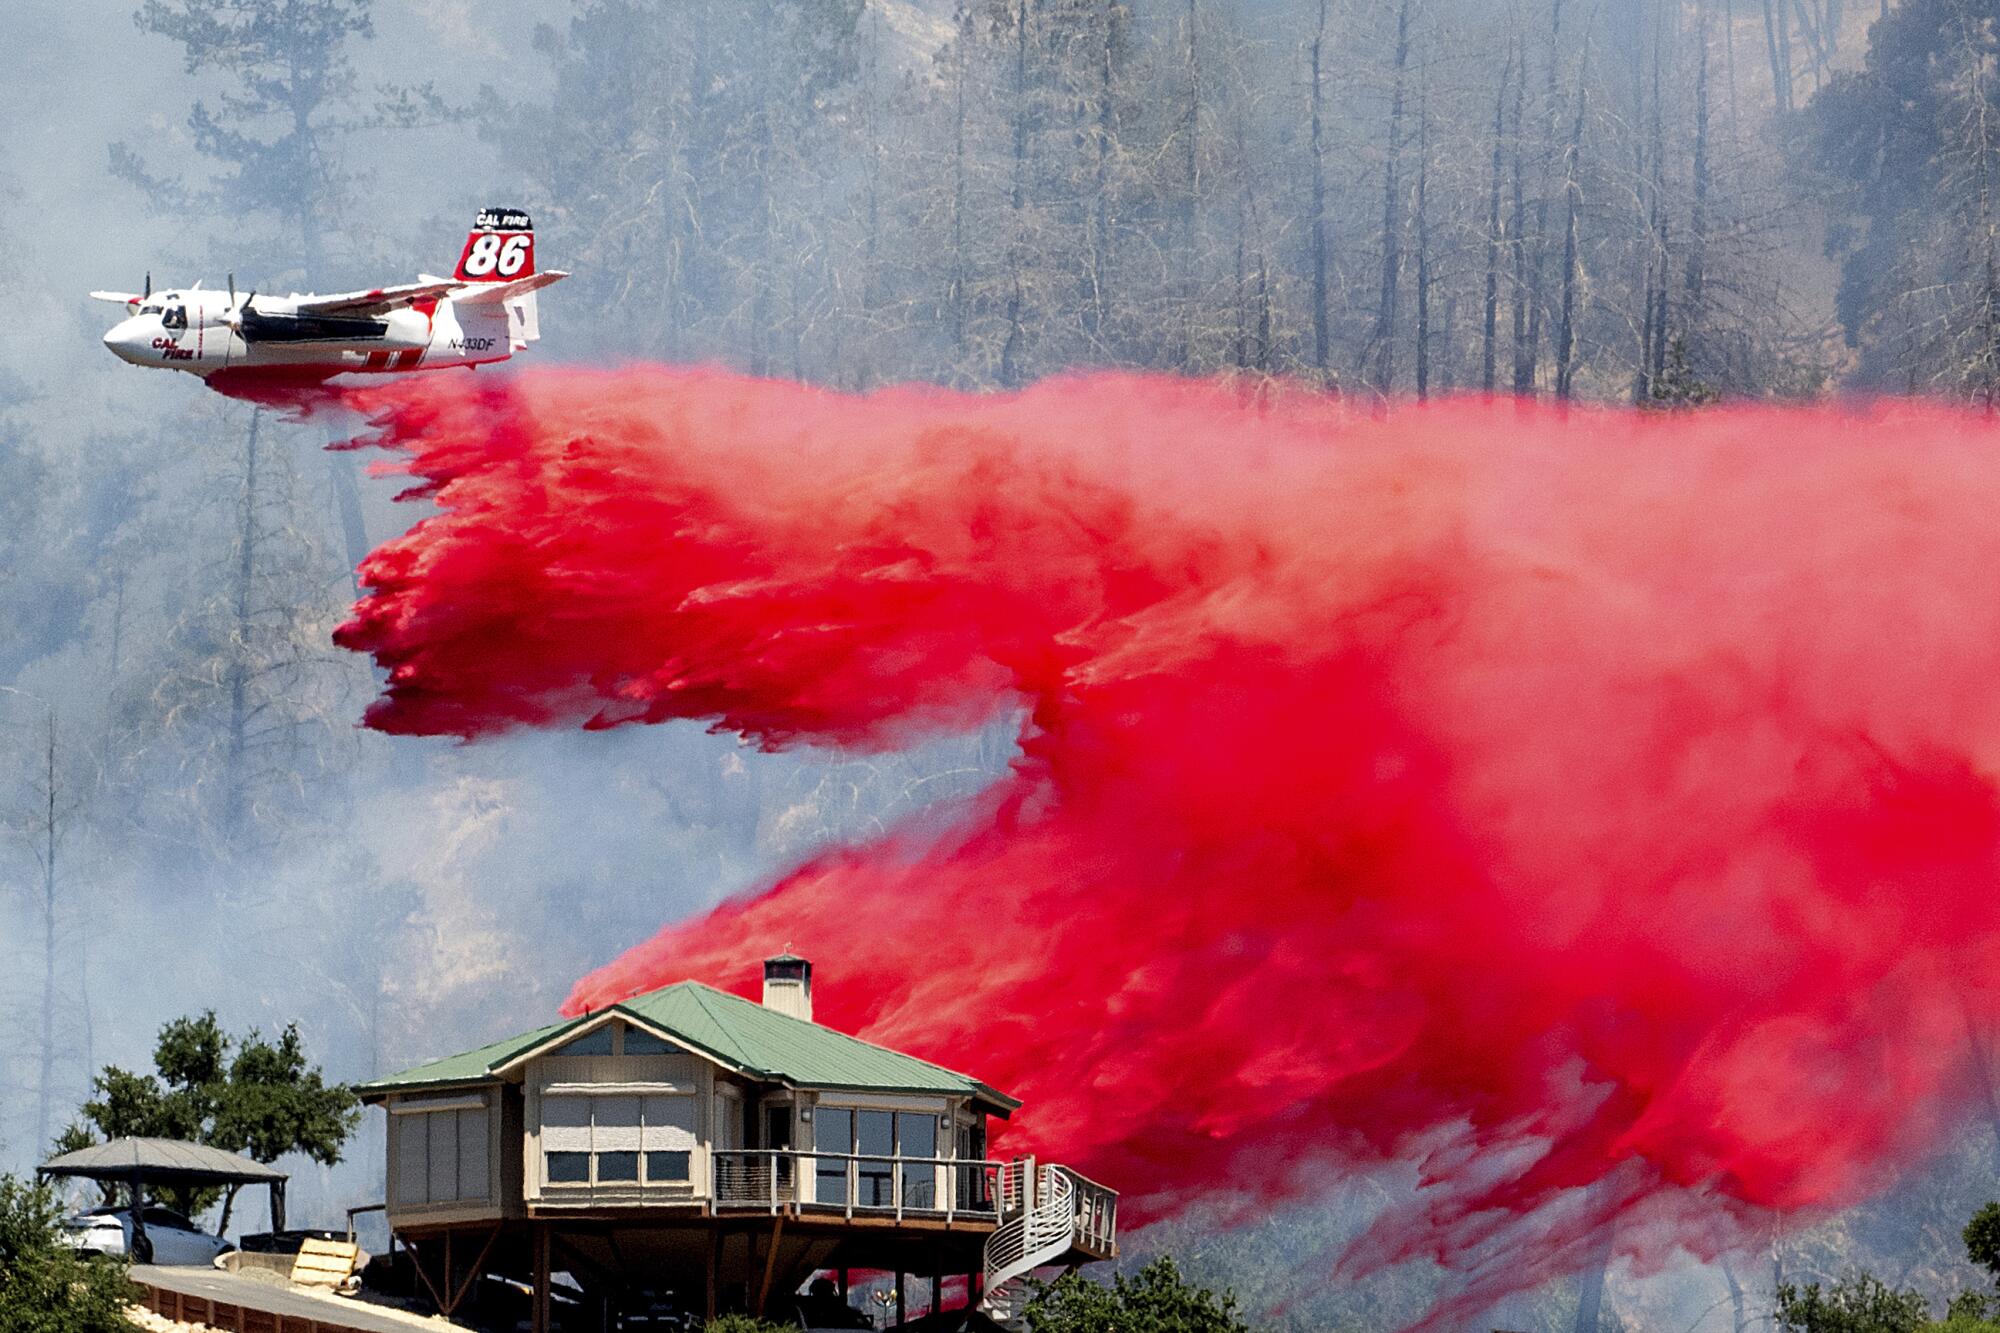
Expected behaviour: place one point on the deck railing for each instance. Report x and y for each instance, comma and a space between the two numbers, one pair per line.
772, 1179
1096, 1213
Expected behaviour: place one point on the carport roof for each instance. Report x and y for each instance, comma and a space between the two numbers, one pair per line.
160, 1160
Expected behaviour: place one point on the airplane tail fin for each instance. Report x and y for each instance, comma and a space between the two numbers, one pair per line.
499, 248
518, 298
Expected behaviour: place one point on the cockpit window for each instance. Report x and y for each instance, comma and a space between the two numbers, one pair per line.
175, 317
153, 309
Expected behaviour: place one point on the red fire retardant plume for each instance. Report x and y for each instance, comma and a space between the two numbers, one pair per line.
1596, 809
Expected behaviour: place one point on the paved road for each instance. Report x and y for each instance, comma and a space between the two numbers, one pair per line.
284, 1300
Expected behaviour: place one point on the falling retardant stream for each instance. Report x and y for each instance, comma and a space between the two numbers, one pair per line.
1597, 809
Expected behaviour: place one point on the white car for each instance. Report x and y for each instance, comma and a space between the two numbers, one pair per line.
170, 1238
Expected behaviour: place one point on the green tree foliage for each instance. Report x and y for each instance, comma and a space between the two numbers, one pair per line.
1862, 1303
1156, 1300
248, 1095
1856, 1304
46, 1287
1982, 1239
741, 1323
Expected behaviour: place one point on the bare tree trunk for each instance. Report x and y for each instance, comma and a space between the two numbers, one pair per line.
1384, 337
1423, 243
1729, 64
1322, 333
955, 292
1098, 313
1988, 375
1490, 328
1656, 336
1697, 275
1781, 91
1738, 1307
871, 243
1010, 352
1573, 197
1524, 353
1589, 1297
1815, 47
1539, 249
1190, 184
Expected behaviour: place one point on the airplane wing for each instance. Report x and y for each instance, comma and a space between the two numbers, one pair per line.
379, 301
122, 298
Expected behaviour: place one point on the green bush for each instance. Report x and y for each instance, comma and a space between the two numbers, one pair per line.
45, 1287
1157, 1300
743, 1323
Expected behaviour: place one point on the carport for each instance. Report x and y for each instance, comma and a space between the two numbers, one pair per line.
137, 1163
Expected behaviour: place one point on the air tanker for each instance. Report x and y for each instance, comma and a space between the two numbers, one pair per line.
485, 312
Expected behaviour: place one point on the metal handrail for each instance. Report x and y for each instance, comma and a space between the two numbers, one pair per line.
1096, 1211
972, 1185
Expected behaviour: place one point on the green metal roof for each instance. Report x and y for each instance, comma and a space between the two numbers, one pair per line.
468, 1067
742, 1034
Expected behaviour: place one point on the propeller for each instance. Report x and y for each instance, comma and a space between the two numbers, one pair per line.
234, 319
149, 285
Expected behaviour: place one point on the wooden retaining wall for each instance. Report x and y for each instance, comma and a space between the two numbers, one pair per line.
189, 1309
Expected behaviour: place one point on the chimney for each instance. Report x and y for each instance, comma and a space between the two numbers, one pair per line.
788, 985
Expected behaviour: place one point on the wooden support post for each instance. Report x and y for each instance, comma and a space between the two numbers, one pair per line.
459, 1293
937, 1280
714, 1247
540, 1321
770, 1266
417, 1267
901, 1279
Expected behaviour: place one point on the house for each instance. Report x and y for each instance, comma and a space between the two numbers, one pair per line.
726, 1150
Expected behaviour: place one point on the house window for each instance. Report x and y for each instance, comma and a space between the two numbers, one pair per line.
833, 1132
668, 1168
645, 1043
441, 1152
590, 1043
880, 1139
568, 1168
610, 1139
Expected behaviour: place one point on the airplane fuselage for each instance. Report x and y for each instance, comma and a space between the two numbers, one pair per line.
190, 331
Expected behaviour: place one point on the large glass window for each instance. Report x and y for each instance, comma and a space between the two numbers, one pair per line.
833, 1132
882, 1140
916, 1136
875, 1140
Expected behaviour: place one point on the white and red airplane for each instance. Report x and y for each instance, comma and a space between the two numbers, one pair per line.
484, 312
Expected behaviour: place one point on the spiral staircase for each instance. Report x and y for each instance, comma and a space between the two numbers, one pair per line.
1049, 1215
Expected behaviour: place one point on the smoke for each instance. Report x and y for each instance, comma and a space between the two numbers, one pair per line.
1595, 808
